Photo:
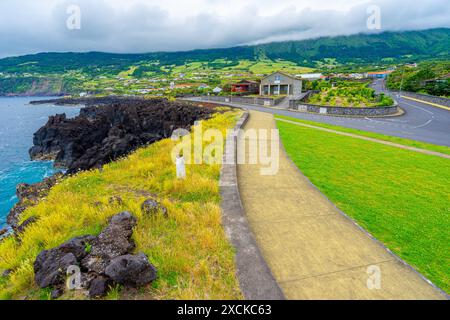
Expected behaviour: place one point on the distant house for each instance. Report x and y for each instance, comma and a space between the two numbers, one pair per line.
217, 90
280, 83
356, 76
378, 74
310, 76
245, 86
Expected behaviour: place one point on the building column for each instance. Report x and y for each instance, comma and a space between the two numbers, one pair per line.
289, 90
268, 90
261, 90
279, 89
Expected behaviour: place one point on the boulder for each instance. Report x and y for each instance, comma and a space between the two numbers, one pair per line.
131, 270
56, 293
112, 242
79, 246
152, 207
50, 266
99, 286
104, 260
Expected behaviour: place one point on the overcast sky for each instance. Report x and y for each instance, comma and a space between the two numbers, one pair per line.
30, 26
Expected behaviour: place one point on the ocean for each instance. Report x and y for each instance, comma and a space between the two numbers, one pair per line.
18, 122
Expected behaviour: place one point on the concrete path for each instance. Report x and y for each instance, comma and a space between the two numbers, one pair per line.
313, 250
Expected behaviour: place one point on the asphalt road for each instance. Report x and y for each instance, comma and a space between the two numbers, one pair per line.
420, 122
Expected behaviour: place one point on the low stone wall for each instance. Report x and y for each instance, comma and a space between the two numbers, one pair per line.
268, 102
343, 111
255, 277
428, 98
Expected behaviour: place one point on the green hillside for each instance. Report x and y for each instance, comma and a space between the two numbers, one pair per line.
96, 71
428, 78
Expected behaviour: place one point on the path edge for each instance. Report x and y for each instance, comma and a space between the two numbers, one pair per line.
255, 277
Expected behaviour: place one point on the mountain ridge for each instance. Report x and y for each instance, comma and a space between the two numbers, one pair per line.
56, 73
424, 44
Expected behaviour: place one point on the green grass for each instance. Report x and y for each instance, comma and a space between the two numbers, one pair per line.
190, 250
403, 141
399, 196
348, 94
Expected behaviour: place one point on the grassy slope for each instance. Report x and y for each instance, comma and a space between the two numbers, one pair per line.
190, 250
403, 141
399, 196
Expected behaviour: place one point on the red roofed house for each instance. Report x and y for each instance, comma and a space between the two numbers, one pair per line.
245, 86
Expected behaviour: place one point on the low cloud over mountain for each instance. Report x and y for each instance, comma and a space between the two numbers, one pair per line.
28, 26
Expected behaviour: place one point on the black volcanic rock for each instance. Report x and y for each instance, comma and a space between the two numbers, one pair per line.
29, 195
99, 286
109, 130
112, 242
131, 270
51, 265
152, 207
105, 260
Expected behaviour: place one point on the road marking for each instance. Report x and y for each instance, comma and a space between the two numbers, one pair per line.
352, 135
423, 125
390, 122
423, 109
426, 102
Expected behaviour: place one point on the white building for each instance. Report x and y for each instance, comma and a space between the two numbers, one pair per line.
217, 90
310, 76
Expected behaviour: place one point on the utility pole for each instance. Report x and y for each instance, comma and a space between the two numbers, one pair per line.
401, 83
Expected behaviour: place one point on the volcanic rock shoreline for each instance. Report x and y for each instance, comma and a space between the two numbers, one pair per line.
109, 128
106, 129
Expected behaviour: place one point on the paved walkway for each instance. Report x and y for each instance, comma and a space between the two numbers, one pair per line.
312, 249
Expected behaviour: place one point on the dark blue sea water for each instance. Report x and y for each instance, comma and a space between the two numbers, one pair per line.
18, 121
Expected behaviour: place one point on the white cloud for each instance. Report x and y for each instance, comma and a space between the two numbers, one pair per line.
29, 26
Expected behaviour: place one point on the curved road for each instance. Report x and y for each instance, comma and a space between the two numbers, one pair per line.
420, 122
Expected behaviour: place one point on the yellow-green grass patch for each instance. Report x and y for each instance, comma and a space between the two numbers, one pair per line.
190, 250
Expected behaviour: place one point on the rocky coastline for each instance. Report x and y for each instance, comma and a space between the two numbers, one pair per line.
106, 129
109, 128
